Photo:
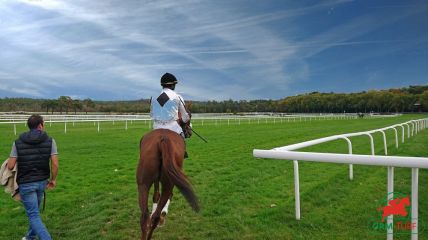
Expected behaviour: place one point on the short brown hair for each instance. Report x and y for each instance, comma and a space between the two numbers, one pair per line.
34, 121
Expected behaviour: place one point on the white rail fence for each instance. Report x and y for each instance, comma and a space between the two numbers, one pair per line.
412, 127
197, 120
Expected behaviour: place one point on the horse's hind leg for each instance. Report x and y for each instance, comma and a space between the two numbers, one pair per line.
165, 212
166, 194
156, 196
143, 195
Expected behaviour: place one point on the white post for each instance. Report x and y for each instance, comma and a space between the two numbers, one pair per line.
98, 126
14, 128
351, 170
417, 126
65, 127
371, 143
415, 184
408, 130
384, 142
390, 192
396, 137
296, 189
126, 124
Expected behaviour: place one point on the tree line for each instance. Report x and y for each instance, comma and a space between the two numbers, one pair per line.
409, 99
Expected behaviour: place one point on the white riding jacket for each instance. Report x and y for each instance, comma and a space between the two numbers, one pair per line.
164, 111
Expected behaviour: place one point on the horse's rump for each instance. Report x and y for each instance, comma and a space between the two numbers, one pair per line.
161, 154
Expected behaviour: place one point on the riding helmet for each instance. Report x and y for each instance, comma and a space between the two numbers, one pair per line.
168, 79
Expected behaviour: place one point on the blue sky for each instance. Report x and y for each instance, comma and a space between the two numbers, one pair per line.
259, 49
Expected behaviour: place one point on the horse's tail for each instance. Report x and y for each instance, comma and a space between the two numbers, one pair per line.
176, 174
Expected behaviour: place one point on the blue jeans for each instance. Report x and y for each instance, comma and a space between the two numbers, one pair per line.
31, 197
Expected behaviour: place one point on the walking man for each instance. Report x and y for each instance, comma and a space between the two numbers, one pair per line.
33, 151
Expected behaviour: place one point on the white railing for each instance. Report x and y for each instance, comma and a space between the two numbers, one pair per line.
197, 119
413, 127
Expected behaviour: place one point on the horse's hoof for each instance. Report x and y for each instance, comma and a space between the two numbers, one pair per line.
162, 219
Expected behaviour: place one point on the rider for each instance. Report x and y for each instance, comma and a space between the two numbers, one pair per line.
168, 110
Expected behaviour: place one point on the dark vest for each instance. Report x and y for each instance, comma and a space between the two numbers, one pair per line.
34, 152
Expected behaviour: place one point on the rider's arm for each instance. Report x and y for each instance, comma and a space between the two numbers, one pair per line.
182, 110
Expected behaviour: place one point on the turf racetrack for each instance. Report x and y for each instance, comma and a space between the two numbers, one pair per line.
241, 197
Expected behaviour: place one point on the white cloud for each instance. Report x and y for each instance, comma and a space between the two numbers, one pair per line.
109, 45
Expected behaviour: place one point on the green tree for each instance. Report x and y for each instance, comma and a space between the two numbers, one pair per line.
88, 105
77, 105
423, 99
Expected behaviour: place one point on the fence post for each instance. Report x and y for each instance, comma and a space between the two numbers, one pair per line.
408, 130
384, 142
414, 216
351, 170
390, 194
402, 135
396, 137
296, 189
371, 143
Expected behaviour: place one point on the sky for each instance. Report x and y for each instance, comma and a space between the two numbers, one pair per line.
218, 50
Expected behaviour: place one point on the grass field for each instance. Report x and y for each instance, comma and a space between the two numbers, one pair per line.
241, 197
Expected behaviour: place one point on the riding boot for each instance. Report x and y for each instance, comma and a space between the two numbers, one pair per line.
185, 151
185, 148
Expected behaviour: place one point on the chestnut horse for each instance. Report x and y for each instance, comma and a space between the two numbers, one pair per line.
161, 160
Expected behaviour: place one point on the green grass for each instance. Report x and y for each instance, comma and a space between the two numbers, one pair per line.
96, 196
